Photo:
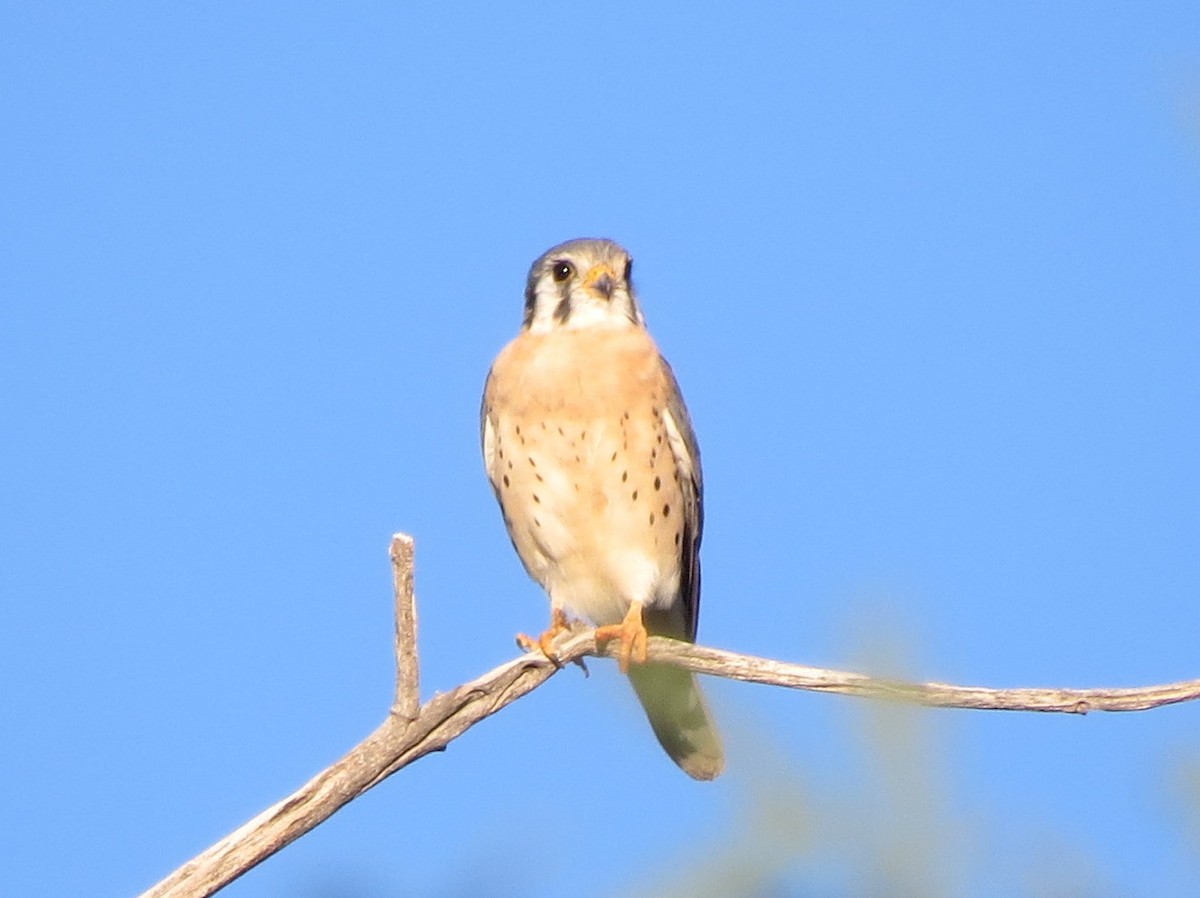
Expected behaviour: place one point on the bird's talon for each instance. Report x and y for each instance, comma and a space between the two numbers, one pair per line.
545, 642
638, 655
542, 646
631, 635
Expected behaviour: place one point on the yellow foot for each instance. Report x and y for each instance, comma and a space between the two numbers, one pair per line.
545, 642
632, 635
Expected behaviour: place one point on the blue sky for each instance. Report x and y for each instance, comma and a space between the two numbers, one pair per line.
928, 276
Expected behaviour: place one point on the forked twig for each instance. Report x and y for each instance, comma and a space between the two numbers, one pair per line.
413, 730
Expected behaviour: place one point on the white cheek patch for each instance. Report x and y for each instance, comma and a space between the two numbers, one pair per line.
585, 310
545, 301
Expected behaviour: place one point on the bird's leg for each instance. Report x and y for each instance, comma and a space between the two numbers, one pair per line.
632, 635
545, 642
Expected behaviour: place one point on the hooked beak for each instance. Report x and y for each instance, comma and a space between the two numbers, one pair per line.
601, 280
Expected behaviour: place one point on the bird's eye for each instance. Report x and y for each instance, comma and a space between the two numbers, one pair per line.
562, 271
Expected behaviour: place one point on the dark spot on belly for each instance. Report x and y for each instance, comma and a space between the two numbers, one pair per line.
532, 462
614, 456
657, 484
537, 499
635, 495
624, 476
666, 511
676, 539
651, 519
506, 480
539, 477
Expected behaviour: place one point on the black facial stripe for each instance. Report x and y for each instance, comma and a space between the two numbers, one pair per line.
530, 302
563, 310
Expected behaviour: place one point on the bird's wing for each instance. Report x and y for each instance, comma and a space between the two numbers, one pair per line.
487, 436
684, 448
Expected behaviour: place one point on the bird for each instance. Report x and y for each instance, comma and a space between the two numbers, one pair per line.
590, 451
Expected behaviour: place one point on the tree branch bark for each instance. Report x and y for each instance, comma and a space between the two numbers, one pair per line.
413, 730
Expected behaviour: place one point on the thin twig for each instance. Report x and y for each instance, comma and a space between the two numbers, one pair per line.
408, 699
734, 666
412, 731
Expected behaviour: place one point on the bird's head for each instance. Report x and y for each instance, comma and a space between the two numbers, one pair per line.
581, 283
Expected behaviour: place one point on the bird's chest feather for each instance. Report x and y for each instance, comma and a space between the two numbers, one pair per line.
583, 469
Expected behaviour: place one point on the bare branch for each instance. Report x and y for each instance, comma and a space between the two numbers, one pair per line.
412, 731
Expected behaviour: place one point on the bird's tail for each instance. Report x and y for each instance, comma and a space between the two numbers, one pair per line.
680, 717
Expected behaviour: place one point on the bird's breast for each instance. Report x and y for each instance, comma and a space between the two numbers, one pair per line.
583, 470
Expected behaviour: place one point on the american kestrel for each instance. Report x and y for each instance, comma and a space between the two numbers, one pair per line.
591, 453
